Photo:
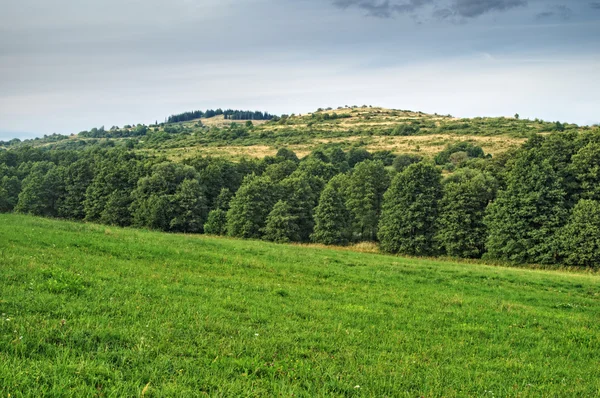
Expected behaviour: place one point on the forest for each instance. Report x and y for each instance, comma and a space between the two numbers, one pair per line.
538, 204
231, 114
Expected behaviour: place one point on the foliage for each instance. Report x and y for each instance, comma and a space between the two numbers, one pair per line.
332, 218
410, 210
523, 221
580, 238
364, 191
471, 151
282, 224
216, 224
461, 230
403, 161
250, 207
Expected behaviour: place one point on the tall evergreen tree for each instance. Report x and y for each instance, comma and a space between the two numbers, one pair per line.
410, 210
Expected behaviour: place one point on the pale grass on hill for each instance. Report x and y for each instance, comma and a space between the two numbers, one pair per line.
426, 145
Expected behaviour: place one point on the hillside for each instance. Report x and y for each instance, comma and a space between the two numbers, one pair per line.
372, 128
95, 310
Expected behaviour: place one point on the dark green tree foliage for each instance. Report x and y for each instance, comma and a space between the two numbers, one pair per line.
586, 170
410, 210
386, 157
472, 151
10, 187
337, 158
525, 217
287, 154
78, 177
42, 190
405, 130
301, 200
250, 207
223, 199
158, 199
216, 223
558, 149
403, 161
282, 224
317, 168
279, 171
217, 174
461, 230
357, 155
189, 206
332, 219
116, 175
580, 238
364, 198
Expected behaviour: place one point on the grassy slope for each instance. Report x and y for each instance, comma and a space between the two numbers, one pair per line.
87, 310
369, 128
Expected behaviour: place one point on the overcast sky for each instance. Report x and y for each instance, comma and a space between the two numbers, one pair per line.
70, 65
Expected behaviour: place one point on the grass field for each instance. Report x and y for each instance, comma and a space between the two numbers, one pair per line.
88, 310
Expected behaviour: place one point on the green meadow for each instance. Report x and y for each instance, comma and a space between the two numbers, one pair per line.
90, 310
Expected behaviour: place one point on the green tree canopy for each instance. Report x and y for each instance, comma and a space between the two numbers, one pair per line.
282, 224
332, 218
461, 230
250, 207
410, 210
580, 238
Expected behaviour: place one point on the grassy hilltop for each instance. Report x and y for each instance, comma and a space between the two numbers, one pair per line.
372, 128
89, 310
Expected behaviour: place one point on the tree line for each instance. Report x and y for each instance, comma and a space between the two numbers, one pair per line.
537, 204
231, 114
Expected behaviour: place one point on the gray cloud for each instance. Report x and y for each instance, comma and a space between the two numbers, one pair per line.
561, 11
440, 9
595, 5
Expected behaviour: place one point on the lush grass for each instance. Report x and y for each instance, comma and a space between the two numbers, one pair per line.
88, 310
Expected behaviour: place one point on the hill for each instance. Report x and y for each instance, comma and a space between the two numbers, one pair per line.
372, 128
95, 310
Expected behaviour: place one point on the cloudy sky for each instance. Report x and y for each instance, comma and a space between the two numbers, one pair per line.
69, 65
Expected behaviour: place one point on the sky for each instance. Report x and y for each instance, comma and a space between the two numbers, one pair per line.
70, 65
